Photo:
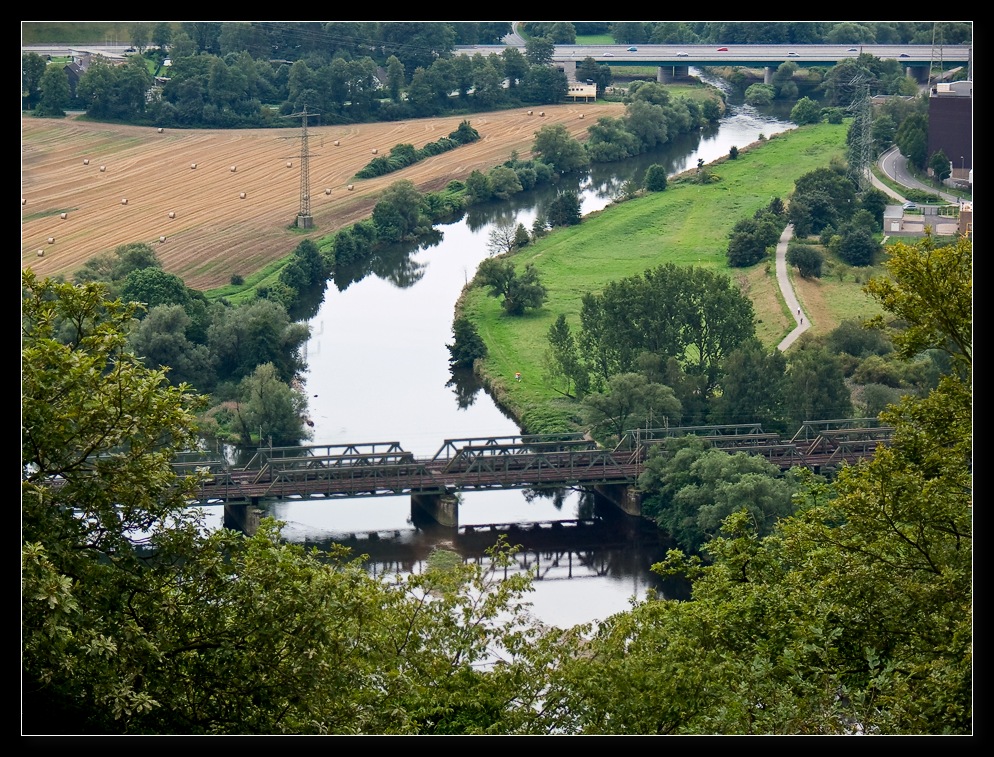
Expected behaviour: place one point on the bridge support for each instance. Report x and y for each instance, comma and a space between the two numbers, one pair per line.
244, 518
667, 74
624, 497
767, 75
443, 508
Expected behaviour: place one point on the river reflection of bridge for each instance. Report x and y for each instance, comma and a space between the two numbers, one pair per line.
619, 547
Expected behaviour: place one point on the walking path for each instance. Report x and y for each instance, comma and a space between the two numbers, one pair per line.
783, 279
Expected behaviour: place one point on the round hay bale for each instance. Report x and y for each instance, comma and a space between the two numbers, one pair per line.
374, 151
23, 201
86, 161
160, 130
581, 115
350, 187
41, 253
242, 195
172, 214
193, 165
233, 169
529, 113
337, 143
51, 240
63, 216
541, 113
124, 200
162, 239
327, 191
289, 164
103, 168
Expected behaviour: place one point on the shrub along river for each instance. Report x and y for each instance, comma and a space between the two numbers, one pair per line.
378, 371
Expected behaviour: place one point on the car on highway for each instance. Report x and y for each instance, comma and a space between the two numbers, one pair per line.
722, 49
633, 49
608, 55
791, 53
852, 50
682, 55
903, 55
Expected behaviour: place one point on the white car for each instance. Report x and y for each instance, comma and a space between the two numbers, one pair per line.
682, 55
608, 55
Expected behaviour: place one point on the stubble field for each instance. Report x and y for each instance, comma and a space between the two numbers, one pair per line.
77, 175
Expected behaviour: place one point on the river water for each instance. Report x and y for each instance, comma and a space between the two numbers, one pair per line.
378, 371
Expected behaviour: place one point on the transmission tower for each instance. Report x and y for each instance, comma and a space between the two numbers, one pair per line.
304, 219
860, 151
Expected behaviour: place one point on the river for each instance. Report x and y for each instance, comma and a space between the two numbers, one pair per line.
378, 371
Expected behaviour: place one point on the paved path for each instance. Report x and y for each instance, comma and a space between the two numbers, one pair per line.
787, 289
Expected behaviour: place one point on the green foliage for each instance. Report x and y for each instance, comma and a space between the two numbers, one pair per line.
554, 145
751, 237
806, 111
629, 401
806, 258
564, 210
655, 178
518, 291
269, 409
467, 344
759, 94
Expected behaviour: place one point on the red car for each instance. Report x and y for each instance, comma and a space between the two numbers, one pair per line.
722, 49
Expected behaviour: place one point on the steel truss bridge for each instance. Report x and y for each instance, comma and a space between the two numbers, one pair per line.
507, 462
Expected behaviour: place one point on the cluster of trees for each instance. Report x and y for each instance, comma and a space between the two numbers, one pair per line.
135, 620
246, 357
404, 155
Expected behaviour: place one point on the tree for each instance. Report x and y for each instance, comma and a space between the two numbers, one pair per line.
161, 340
940, 165
467, 345
751, 387
806, 258
563, 367
750, 238
856, 246
54, 88
806, 111
241, 338
655, 178
564, 210
630, 401
502, 238
814, 387
554, 145
912, 139
271, 407
539, 50
397, 215
152, 286
519, 291
33, 68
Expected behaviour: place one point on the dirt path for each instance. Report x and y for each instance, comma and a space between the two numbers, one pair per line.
202, 228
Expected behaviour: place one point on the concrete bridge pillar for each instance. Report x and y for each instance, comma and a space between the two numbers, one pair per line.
569, 68
626, 498
244, 518
441, 507
767, 75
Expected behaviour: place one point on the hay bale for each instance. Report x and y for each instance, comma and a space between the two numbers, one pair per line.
581, 115
172, 214
337, 143
124, 200
193, 165
51, 240
541, 113
350, 187
327, 191
103, 168
41, 253
23, 201
86, 161
162, 239
374, 151
242, 195
529, 113
232, 169
289, 164
63, 216
160, 130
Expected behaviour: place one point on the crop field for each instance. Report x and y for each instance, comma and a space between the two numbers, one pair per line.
214, 203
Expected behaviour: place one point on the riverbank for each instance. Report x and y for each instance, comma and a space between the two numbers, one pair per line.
687, 224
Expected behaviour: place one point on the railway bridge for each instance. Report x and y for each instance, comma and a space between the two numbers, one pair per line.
328, 472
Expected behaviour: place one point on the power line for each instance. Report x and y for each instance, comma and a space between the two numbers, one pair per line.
304, 218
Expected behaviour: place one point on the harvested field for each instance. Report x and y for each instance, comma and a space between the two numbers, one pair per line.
200, 224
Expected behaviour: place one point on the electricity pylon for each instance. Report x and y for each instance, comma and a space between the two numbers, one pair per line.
860, 152
304, 219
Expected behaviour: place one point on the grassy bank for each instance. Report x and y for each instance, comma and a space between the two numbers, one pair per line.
687, 224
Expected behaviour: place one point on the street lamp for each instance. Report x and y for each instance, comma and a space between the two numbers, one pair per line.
962, 163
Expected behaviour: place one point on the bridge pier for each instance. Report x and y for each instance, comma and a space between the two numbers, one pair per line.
242, 517
441, 507
667, 74
623, 496
767, 75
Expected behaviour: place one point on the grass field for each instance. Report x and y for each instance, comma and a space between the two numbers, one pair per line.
687, 224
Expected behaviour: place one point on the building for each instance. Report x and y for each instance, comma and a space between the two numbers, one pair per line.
950, 127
